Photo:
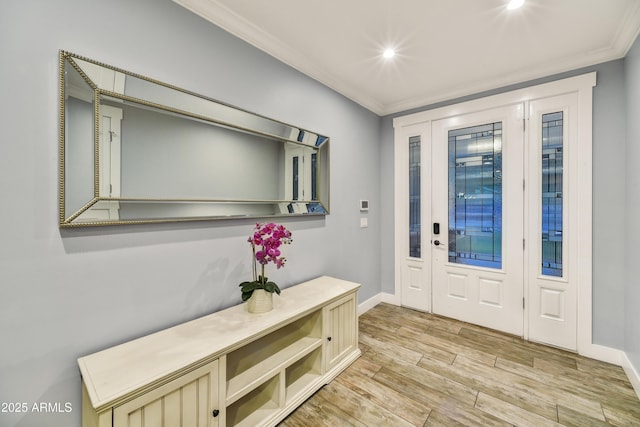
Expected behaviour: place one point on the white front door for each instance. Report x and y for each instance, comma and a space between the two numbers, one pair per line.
493, 212
477, 218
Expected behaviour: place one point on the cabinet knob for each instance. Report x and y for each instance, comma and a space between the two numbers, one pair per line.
328, 338
216, 413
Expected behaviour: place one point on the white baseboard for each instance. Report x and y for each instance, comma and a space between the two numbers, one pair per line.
375, 300
369, 304
632, 373
601, 353
391, 299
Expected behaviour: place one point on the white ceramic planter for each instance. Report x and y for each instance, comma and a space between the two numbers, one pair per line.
261, 301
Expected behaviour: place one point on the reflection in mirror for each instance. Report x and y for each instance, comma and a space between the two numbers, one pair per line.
137, 150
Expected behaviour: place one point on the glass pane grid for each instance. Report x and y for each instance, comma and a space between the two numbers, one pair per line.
475, 195
314, 176
296, 177
415, 245
552, 176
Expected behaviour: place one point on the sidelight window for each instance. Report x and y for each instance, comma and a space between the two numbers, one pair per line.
414, 197
552, 177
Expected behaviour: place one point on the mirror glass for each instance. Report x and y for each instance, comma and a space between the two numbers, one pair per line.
135, 150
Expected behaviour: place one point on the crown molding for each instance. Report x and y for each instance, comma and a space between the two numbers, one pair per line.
628, 31
503, 81
221, 16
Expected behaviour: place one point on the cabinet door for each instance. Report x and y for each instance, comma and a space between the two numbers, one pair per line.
188, 401
341, 330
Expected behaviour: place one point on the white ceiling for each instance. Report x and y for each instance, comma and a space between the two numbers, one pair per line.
445, 48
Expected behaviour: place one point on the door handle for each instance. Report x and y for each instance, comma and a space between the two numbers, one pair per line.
436, 242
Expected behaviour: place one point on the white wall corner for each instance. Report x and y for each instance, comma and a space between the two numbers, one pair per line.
632, 373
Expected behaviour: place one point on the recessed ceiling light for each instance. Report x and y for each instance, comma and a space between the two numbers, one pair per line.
514, 4
389, 53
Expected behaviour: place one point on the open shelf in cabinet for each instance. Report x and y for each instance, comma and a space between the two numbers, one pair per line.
253, 363
302, 373
259, 404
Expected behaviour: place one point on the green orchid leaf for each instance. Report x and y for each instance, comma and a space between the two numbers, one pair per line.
270, 287
249, 286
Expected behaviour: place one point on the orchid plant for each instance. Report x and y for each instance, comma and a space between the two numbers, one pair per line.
265, 246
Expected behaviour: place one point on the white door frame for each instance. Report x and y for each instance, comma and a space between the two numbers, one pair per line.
583, 85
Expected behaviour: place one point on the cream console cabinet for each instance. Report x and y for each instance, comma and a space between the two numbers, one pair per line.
230, 368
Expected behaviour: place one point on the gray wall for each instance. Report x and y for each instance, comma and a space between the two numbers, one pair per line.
165, 156
69, 293
632, 225
608, 197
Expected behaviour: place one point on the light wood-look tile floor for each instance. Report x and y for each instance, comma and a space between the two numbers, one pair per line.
419, 369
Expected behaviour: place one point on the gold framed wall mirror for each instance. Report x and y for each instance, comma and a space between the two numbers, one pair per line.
136, 150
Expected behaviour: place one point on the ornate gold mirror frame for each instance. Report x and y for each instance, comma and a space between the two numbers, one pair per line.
136, 150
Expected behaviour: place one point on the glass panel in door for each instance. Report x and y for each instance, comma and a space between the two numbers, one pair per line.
552, 158
296, 176
475, 195
414, 198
